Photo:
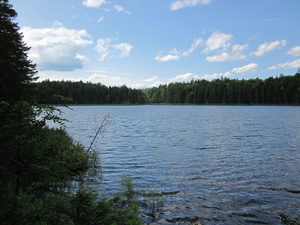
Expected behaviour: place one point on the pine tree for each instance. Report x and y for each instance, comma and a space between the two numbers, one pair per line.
17, 72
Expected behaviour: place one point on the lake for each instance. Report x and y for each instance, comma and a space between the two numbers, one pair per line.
218, 164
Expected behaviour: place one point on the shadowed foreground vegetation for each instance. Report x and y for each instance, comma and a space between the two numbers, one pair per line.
283, 90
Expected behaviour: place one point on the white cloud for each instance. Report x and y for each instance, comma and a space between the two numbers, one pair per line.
217, 75
238, 70
151, 82
120, 8
225, 51
94, 3
167, 58
155, 84
187, 77
107, 80
174, 54
269, 46
294, 51
105, 49
235, 53
82, 58
286, 65
151, 79
57, 23
245, 69
102, 48
188, 3
56, 48
101, 18
197, 42
120, 80
125, 48
217, 41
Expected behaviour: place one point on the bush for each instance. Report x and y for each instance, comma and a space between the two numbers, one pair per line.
43, 197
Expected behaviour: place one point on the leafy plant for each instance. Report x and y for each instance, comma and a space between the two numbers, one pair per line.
127, 195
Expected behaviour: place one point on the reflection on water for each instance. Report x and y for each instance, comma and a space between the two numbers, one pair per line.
222, 164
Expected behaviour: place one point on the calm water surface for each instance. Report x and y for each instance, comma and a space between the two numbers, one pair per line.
222, 164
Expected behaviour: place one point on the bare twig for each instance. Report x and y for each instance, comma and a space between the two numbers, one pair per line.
105, 121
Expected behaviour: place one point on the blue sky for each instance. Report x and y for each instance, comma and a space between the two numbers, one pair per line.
144, 43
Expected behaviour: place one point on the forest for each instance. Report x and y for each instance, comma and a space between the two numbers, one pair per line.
279, 90
55, 92
282, 90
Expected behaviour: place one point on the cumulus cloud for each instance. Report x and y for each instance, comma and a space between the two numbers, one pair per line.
268, 46
102, 47
56, 48
174, 54
120, 8
82, 58
245, 69
187, 77
217, 75
105, 49
107, 80
220, 44
151, 79
94, 3
124, 48
234, 53
167, 58
188, 3
216, 41
155, 84
287, 65
151, 82
104, 77
294, 51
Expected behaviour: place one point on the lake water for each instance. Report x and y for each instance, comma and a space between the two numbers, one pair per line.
218, 164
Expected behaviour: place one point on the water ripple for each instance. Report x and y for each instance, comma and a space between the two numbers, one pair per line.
220, 164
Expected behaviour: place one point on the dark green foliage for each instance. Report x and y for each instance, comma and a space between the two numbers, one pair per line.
285, 219
279, 90
50, 92
37, 164
82, 208
17, 71
88, 211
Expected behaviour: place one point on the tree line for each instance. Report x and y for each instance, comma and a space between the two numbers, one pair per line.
279, 90
54, 92
283, 90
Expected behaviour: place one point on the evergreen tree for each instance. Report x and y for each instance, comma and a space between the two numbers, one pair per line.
16, 100
17, 71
